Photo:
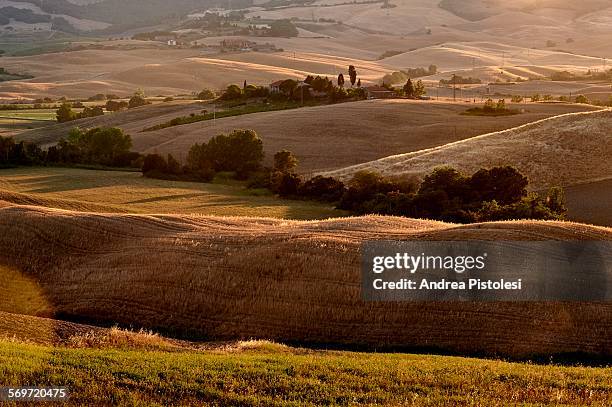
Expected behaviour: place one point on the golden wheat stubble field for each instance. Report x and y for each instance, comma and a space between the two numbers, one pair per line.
231, 278
129, 192
324, 137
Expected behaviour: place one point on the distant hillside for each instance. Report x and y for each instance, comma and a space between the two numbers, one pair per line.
323, 137
127, 11
563, 150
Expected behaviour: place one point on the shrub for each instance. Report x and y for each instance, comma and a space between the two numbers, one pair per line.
65, 113
154, 163
582, 99
285, 161
240, 151
206, 94
322, 188
98, 145
285, 184
115, 106
232, 92
137, 101
505, 185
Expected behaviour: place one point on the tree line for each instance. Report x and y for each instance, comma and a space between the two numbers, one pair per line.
499, 193
99, 146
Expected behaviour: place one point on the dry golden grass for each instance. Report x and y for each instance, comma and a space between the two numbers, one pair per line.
324, 137
241, 278
120, 192
563, 150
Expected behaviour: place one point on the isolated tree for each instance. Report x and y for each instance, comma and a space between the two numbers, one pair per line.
283, 28
244, 85
232, 92
65, 114
285, 161
409, 89
206, 94
340, 80
115, 106
137, 101
240, 151
359, 83
582, 99
555, 200
419, 89
352, 75
433, 69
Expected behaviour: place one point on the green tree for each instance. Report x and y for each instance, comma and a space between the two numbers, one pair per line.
232, 92
65, 113
555, 200
240, 151
173, 166
419, 89
100, 145
285, 161
409, 89
283, 28
340, 80
115, 106
137, 101
154, 163
352, 75
206, 94
582, 99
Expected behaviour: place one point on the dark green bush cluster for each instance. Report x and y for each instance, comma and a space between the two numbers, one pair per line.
240, 152
66, 114
99, 146
498, 193
491, 108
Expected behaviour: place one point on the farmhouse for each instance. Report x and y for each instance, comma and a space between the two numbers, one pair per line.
275, 86
378, 92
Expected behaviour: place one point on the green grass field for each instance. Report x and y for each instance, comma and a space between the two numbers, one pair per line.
121, 191
264, 374
29, 114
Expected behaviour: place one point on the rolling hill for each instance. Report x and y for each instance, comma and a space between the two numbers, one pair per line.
230, 278
563, 150
319, 136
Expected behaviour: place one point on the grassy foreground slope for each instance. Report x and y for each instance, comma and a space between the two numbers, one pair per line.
120, 191
275, 375
290, 281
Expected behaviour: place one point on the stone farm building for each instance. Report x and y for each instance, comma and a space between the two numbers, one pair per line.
379, 92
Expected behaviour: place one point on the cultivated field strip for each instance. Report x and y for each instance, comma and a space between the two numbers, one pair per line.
293, 281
